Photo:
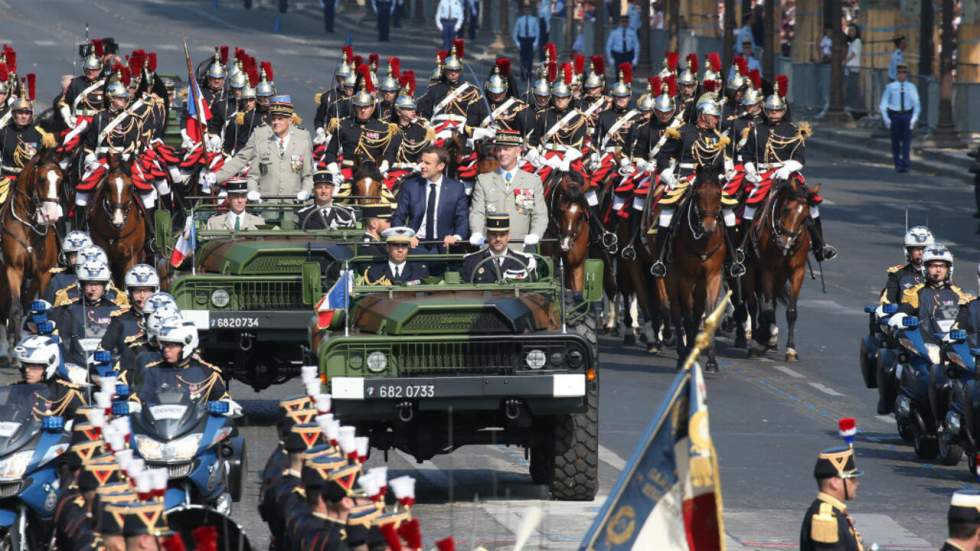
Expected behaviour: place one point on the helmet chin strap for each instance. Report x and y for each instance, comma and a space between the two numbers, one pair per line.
847, 496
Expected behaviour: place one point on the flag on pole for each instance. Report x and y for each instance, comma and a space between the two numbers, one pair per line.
186, 243
669, 495
198, 112
336, 300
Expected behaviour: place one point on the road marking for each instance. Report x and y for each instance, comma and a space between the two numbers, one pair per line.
45, 43
168, 47
788, 371
610, 458
286, 51
562, 527
131, 46
825, 389
770, 529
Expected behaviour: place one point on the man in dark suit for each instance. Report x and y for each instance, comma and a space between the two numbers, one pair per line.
396, 270
434, 207
505, 264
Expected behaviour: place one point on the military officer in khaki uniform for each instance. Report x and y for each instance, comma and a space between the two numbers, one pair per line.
826, 525
236, 219
509, 190
279, 155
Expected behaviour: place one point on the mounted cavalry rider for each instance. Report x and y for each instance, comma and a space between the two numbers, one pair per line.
502, 110
652, 136
539, 96
594, 100
749, 119
913, 272
692, 146
616, 130
64, 275
127, 329
223, 111
334, 103
323, 214
687, 83
83, 99
390, 87
73, 291
936, 300
447, 101
90, 315
778, 148
213, 90
560, 133
247, 119
20, 139
413, 136
361, 136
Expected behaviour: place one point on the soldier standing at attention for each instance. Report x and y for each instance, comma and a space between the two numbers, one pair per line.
526, 37
964, 521
383, 9
900, 110
826, 525
449, 19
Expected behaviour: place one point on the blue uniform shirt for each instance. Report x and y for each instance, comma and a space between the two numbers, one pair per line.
526, 26
900, 96
898, 57
623, 39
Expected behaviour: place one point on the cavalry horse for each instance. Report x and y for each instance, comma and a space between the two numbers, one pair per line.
30, 241
780, 243
693, 283
117, 220
568, 223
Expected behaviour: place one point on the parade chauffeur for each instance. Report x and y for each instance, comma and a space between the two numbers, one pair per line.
323, 214
397, 270
497, 261
826, 524
361, 136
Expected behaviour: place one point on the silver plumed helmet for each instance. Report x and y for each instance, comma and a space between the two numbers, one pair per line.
238, 80
645, 103
405, 100
248, 92
496, 84
560, 90
708, 105
622, 87
265, 88
350, 80
389, 84
774, 102
343, 70
216, 69
116, 89
751, 97
363, 98
453, 62
664, 103
736, 81
541, 87
687, 77
592, 81
92, 63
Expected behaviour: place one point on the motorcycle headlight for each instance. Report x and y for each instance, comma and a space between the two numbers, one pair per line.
220, 298
182, 449
377, 362
13, 467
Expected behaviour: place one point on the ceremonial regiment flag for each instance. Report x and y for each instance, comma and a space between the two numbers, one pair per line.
668, 497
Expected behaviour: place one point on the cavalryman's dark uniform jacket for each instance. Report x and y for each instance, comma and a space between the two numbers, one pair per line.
409, 142
18, 144
776, 143
647, 137
570, 133
124, 137
827, 527
515, 116
456, 107
210, 96
82, 103
240, 128
385, 111
616, 134
371, 139
901, 277
314, 217
222, 113
334, 104
693, 146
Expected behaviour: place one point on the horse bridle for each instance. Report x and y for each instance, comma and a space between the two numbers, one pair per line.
780, 232
554, 200
696, 217
36, 203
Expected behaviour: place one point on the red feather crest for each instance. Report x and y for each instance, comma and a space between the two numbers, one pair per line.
442, 55
655, 85
782, 85
672, 59
408, 79
4, 75
567, 74
348, 54
240, 54
552, 71
447, 544
692, 62
224, 54
364, 71
714, 61
151, 61
672, 85
124, 75
598, 65
31, 86
846, 423
411, 533
742, 64
710, 85
459, 45
579, 62
394, 67
252, 72
267, 70
503, 63
98, 47
626, 72
756, 79
373, 60
11, 58
551, 52
136, 61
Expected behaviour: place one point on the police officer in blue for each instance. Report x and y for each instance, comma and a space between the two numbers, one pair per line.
396, 270
71, 293
64, 276
623, 46
935, 301
497, 262
526, 36
178, 340
969, 317
40, 360
384, 9
329, 11
900, 110
87, 317
908, 275
127, 329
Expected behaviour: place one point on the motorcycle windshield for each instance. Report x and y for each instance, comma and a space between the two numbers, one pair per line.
172, 404
19, 406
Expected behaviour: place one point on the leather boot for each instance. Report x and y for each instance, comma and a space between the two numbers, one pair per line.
821, 250
735, 253
659, 269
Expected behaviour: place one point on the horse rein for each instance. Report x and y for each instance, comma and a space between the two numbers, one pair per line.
36, 203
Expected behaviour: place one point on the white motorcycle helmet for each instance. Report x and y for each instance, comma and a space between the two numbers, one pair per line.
939, 253
919, 236
94, 271
142, 275
155, 320
159, 300
90, 253
75, 241
39, 350
180, 332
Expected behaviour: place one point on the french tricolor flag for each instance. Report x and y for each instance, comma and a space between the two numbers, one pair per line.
336, 300
847, 427
186, 243
198, 113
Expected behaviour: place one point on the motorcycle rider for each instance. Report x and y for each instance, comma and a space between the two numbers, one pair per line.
126, 330
157, 309
64, 276
90, 314
937, 299
912, 273
71, 293
178, 341
39, 357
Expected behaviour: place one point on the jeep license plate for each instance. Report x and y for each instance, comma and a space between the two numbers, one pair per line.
238, 322
387, 391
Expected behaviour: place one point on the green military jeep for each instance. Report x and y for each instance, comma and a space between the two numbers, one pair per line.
250, 292
431, 367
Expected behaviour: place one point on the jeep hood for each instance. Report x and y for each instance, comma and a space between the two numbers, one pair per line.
276, 256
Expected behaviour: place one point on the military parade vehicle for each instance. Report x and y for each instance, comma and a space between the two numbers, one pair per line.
250, 292
431, 367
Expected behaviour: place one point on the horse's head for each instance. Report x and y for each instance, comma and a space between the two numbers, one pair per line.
117, 192
486, 159
45, 177
572, 212
791, 210
368, 184
707, 197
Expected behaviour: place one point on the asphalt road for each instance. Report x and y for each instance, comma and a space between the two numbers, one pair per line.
769, 418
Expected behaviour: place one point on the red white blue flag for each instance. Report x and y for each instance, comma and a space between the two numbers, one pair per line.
186, 243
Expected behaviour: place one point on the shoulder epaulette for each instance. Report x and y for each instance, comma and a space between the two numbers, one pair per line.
896, 268
120, 311
56, 270
672, 133
79, 501
910, 296
240, 118
392, 128
964, 296
823, 525
207, 364
61, 297
154, 363
333, 124
474, 252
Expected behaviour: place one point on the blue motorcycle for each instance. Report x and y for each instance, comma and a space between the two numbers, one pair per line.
877, 356
29, 452
956, 400
912, 372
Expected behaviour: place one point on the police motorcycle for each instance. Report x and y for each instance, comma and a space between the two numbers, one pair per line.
29, 450
195, 440
955, 396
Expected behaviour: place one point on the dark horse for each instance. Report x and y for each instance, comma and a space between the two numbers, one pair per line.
694, 281
568, 223
117, 220
780, 242
29, 242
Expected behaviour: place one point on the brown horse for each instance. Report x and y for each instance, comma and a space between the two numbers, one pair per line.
780, 242
30, 241
694, 281
117, 220
367, 186
568, 223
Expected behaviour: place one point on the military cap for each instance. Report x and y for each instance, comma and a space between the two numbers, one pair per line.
508, 138
964, 507
360, 521
836, 462
498, 222
144, 518
237, 184
376, 211
399, 235
316, 471
302, 437
281, 105
80, 453
99, 471
322, 177
111, 519
297, 402
321, 450
901, 65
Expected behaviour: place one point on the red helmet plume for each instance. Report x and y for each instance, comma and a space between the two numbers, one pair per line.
714, 61
356, 61
782, 85
224, 54
11, 58
503, 63
348, 53
364, 71
408, 79
394, 67
598, 65
672, 60
240, 54
442, 55
742, 64
626, 70
4, 74
252, 71
31, 86
151, 61
655, 84
756, 79
567, 74
692, 62
710, 85
267, 70
551, 51
447, 544
459, 45
373, 60
552, 71
579, 61
672, 85
98, 47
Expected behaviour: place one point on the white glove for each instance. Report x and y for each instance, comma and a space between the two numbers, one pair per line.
185, 142
750, 173
482, 133
254, 196
477, 239
338, 179
384, 167
912, 124
573, 155
531, 155
320, 137
531, 239
625, 162
91, 162
303, 195
895, 322
789, 167
332, 168
668, 177
209, 179
642, 165
557, 163
213, 143
595, 161
888, 123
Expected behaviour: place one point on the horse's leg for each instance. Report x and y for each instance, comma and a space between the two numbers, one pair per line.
677, 318
15, 280
712, 295
795, 284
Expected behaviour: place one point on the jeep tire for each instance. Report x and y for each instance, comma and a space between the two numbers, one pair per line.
574, 465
